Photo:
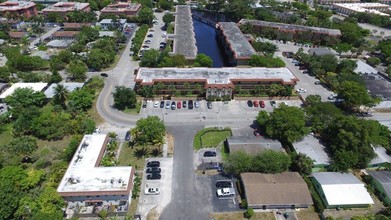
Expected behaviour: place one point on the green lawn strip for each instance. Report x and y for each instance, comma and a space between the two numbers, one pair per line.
134, 111
6, 136
135, 156
210, 137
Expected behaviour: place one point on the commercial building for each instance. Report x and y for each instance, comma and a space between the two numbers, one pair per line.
314, 149
293, 32
237, 48
63, 8
285, 190
64, 35
38, 87
75, 26
382, 183
321, 51
184, 36
341, 190
18, 9
373, 8
252, 145
364, 68
86, 187
216, 82
59, 43
122, 9
330, 2
106, 24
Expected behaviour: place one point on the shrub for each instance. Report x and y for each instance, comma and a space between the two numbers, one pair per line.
249, 213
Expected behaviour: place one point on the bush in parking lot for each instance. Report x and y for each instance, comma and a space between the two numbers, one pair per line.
249, 213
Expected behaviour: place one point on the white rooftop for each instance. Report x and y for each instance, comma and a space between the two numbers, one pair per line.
365, 7
216, 75
363, 68
83, 175
381, 156
343, 189
49, 93
314, 149
38, 87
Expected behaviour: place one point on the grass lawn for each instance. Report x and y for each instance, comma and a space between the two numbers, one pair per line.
135, 156
239, 216
307, 214
6, 135
210, 137
134, 111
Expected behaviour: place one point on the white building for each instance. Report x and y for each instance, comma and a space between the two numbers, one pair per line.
38, 87
341, 190
373, 8
87, 185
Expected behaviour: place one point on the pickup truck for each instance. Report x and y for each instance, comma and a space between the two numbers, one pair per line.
225, 192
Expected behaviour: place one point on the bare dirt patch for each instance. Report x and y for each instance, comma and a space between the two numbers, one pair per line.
307, 214
240, 216
153, 214
170, 144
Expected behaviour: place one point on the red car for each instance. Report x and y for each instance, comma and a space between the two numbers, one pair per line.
262, 104
257, 132
255, 104
179, 105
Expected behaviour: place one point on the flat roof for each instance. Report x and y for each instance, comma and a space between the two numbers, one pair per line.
65, 33
384, 178
286, 188
313, 148
106, 34
292, 27
49, 93
236, 40
109, 21
15, 5
84, 177
363, 68
335, 184
184, 36
253, 145
364, 7
216, 76
59, 43
121, 7
66, 7
381, 156
320, 51
38, 87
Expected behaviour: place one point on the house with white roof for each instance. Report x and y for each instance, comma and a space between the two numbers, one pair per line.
86, 186
38, 87
341, 190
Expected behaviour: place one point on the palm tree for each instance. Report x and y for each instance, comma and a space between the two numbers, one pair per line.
61, 94
37, 26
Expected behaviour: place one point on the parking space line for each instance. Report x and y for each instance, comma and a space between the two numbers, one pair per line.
234, 201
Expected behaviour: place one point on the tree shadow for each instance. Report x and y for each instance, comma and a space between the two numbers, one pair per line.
156, 152
140, 153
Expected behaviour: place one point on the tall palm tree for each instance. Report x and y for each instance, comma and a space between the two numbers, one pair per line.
61, 94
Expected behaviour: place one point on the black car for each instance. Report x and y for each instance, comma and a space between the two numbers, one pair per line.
127, 136
104, 75
173, 105
154, 176
250, 103
224, 184
153, 164
210, 154
153, 170
184, 104
150, 35
190, 102
144, 104
161, 104
209, 105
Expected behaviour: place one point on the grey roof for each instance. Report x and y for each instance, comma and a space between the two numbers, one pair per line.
384, 178
381, 156
59, 43
363, 68
49, 93
313, 148
320, 51
237, 41
184, 36
335, 178
252, 145
42, 54
3, 86
292, 27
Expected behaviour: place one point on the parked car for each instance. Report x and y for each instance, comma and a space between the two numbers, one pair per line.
156, 105
210, 153
209, 105
179, 105
144, 104
190, 104
224, 184
257, 133
127, 136
150, 35
145, 46
154, 176
152, 191
301, 90
153, 164
196, 104
184, 104
255, 103
168, 104
262, 104
173, 105
250, 103
147, 41
153, 170
273, 103
104, 75
161, 104
225, 192
317, 82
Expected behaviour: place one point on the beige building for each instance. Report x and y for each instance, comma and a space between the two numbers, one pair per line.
330, 2
63, 8
373, 8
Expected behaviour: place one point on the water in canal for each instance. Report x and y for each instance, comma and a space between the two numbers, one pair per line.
206, 42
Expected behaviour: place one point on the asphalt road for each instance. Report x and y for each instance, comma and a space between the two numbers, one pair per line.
44, 36
187, 203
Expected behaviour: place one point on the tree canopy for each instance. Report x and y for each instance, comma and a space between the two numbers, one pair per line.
203, 60
149, 130
124, 98
354, 95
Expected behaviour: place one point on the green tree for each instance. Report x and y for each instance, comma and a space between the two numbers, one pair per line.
124, 98
203, 60
145, 16
302, 163
77, 70
151, 58
347, 66
61, 95
262, 119
287, 124
72, 147
321, 114
265, 47
165, 4
373, 61
313, 99
55, 77
238, 162
22, 146
270, 161
25, 98
80, 100
168, 18
149, 130
354, 95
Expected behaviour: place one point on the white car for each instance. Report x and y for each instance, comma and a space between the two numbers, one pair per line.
152, 191
301, 90
157, 104
196, 104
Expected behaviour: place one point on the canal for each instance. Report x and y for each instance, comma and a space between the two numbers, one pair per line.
207, 43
